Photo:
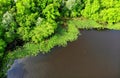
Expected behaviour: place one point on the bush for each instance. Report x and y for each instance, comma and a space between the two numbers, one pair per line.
105, 11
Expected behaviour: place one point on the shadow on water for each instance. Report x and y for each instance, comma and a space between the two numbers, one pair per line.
96, 54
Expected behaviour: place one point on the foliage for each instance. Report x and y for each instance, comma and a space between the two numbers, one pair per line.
2, 45
114, 26
42, 31
103, 11
61, 38
72, 8
111, 15
35, 21
91, 9
2, 49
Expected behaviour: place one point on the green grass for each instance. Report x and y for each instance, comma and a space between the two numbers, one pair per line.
91, 24
114, 26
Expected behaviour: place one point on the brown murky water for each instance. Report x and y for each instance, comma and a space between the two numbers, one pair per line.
96, 54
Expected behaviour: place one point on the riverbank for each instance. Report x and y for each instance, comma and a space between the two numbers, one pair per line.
95, 54
31, 49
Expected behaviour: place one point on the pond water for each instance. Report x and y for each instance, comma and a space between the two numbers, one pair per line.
96, 54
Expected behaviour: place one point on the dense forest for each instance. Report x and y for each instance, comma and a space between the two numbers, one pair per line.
28, 27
